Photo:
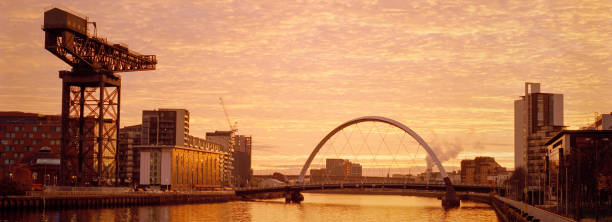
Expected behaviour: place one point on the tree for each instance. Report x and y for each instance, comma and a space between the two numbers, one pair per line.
18, 183
517, 182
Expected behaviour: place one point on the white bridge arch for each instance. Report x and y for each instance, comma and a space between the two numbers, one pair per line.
372, 119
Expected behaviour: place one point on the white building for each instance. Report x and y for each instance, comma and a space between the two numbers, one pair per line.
171, 158
537, 117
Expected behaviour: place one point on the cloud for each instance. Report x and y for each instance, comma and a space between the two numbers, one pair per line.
292, 71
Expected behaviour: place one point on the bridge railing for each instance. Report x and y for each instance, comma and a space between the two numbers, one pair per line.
341, 185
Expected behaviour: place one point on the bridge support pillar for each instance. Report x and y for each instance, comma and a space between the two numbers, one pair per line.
450, 199
294, 196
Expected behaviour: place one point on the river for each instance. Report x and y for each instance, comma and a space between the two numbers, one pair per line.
316, 207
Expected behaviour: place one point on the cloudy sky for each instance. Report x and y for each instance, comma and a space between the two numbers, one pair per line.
290, 71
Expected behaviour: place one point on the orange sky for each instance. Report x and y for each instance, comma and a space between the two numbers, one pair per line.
289, 72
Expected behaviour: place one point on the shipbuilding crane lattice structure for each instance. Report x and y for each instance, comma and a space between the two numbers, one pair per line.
91, 96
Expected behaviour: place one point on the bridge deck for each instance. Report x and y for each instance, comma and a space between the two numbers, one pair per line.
304, 187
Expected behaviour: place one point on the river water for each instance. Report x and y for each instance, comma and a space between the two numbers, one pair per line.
316, 207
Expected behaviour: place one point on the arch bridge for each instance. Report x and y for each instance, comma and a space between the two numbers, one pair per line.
450, 199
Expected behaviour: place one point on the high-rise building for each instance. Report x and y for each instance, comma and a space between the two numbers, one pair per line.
537, 117
127, 156
165, 127
223, 138
25, 134
227, 142
242, 160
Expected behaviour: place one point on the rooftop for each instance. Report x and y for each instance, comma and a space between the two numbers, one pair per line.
575, 132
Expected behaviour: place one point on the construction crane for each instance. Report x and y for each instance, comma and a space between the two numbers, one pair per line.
91, 95
232, 127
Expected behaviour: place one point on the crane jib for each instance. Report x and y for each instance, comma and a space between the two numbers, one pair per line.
66, 37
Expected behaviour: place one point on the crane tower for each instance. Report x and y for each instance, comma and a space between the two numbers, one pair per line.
91, 93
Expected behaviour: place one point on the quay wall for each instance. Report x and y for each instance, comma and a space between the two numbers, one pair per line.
112, 200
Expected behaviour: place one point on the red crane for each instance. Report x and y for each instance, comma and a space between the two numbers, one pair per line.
91, 94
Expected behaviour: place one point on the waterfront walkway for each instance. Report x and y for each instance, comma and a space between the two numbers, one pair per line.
511, 210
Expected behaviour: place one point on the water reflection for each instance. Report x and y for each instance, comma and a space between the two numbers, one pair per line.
317, 207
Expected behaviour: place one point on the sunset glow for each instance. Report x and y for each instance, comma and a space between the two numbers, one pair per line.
289, 72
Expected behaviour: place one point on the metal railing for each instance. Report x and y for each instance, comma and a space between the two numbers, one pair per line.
537, 213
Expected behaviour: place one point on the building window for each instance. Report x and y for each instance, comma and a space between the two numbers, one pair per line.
18, 141
19, 128
28, 148
2, 128
9, 161
9, 135
34, 142
58, 129
36, 128
9, 148
4, 142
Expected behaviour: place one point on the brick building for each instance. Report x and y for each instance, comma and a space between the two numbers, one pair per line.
337, 170
476, 171
25, 134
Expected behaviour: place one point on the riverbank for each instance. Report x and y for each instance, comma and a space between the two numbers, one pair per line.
88, 200
316, 207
